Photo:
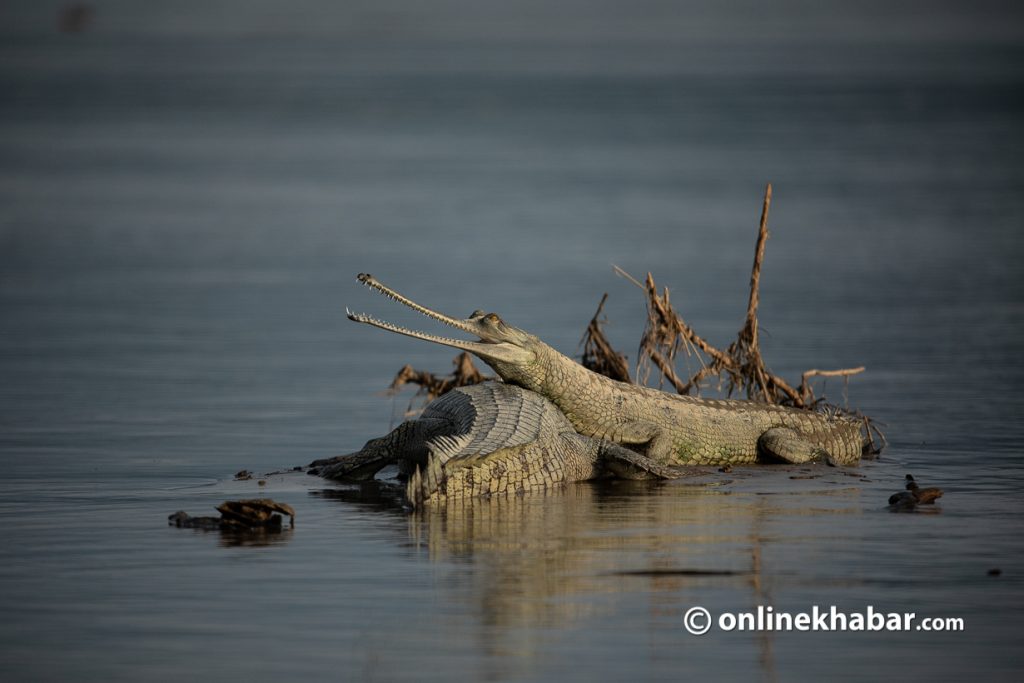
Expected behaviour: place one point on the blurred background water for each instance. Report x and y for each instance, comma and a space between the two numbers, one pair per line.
187, 191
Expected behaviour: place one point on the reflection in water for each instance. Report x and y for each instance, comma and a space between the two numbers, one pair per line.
375, 494
553, 560
253, 538
248, 538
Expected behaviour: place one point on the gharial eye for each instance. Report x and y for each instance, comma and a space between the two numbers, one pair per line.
476, 314
492, 318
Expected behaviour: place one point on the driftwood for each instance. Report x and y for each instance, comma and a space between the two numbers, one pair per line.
598, 354
431, 386
255, 514
738, 370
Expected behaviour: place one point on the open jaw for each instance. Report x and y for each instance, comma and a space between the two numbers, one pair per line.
489, 347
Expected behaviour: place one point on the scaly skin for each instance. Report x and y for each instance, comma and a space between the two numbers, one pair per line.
490, 438
682, 429
668, 428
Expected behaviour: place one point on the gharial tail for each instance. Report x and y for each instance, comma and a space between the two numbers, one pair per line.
510, 470
423, 483
377, 454
359, 466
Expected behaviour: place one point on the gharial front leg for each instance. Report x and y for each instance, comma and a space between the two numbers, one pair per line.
623, 463
644, 437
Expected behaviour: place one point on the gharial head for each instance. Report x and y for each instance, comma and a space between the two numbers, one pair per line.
507, 349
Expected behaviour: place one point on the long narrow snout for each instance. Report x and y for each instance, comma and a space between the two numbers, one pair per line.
489, 347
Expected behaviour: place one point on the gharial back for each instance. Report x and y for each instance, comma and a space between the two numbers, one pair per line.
489, 416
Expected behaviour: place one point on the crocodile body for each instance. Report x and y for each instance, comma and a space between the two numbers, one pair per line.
668, 428
686, 430
490, 438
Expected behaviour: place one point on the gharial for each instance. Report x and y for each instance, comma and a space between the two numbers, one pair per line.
490, 438
668, 429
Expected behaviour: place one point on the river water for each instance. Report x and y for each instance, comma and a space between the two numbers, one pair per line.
187, 194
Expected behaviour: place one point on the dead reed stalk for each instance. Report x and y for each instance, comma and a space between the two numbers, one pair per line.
598, 354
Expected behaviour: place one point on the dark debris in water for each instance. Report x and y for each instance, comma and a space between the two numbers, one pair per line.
256, 514
680, 572
913, 496
183, 520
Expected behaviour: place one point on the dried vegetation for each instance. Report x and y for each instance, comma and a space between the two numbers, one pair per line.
739, 370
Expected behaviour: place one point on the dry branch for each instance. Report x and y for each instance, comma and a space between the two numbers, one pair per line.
741, 367
805, 387
431, 386
598, 354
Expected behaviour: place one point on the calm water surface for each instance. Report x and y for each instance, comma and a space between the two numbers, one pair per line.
184, 204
